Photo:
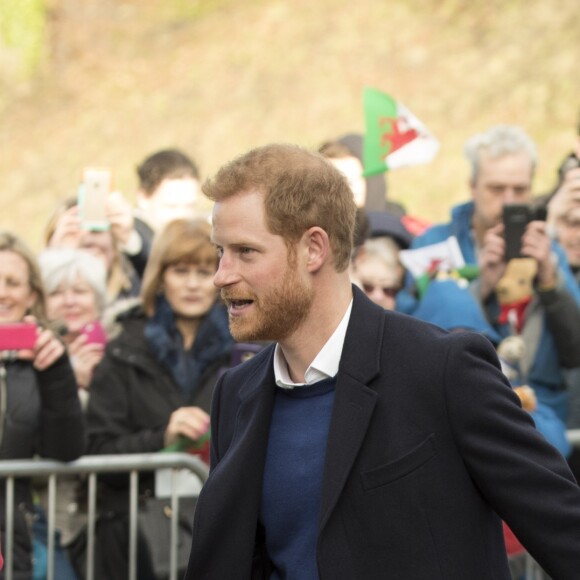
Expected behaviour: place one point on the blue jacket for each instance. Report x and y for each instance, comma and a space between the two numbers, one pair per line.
545, 374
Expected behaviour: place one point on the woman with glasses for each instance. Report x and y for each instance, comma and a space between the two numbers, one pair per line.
377, 270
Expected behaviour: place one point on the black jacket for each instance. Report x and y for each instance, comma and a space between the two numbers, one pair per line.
428, 447
131, 400
42, 417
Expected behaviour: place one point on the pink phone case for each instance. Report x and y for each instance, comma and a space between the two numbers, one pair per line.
95, 333
17, 336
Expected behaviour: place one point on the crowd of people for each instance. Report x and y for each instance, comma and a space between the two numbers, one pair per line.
129, 332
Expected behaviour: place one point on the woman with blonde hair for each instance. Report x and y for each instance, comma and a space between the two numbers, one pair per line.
40, 413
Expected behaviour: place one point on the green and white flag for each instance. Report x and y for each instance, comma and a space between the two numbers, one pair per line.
394, 137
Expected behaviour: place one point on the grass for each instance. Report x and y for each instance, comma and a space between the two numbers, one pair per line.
122, 79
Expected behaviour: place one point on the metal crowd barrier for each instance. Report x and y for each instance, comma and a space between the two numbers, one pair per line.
132, 464
92, 466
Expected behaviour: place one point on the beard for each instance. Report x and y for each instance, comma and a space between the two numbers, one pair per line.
277, 314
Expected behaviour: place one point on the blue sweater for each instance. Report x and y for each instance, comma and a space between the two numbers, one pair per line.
292, 485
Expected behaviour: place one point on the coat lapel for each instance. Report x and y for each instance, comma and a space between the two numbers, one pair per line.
252, 423
354, 401
226, 517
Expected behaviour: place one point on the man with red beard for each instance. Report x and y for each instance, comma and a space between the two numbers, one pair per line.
362, 444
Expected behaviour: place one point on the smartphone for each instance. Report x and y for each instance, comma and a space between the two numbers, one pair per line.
95, 333
17, 336
515, 220
92, 197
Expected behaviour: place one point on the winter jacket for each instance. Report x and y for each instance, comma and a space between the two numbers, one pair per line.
553, 318
133, 396
40, 415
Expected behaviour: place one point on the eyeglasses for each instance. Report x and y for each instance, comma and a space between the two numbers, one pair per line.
388, 291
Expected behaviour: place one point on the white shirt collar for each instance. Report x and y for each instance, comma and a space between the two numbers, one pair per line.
325, 363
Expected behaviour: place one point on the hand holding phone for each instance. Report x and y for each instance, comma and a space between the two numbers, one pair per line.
86, 351
120, 215
67, 230
516, 217
515, 220
47, 350
94, 333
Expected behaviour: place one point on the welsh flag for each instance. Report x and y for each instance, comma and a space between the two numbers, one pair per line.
394, 137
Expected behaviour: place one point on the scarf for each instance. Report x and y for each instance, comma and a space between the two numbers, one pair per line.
213, 342
514, 313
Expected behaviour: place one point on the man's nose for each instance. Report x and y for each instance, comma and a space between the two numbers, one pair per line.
508, 196
226, 274
511, 195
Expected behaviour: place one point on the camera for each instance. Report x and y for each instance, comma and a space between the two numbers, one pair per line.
516, 217
17, 336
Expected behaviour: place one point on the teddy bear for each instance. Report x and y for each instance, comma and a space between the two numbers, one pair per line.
510, 352
514, 292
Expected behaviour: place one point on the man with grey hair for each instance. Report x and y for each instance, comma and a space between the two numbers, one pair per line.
502, 161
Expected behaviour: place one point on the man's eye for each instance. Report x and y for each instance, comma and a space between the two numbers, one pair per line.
219, 251
245, 250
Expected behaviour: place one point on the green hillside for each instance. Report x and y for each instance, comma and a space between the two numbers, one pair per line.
119, 79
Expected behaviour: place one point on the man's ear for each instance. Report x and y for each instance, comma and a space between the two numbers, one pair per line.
318, 248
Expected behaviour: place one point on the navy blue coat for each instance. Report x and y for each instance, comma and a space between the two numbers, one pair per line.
428, 448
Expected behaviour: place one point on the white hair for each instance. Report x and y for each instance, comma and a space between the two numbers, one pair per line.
498, 141
65, 265
383, 247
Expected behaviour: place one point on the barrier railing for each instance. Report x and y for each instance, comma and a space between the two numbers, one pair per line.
132, 464
93, 466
